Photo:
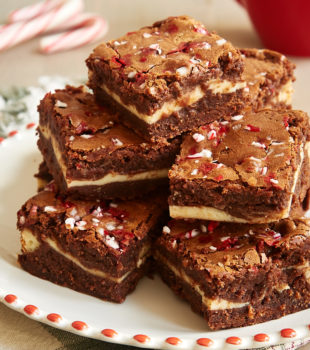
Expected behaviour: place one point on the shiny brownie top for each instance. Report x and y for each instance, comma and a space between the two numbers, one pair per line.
224, 247
156, 59
262, 149
84, 125
115, 225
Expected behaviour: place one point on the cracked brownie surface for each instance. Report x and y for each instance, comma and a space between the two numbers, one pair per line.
254, 168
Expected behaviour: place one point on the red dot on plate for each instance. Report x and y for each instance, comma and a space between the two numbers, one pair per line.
31, 309
10, 298
173, 341
12, 133
288, 333
204, 342
30, 125
79, 325
141, 338
54, 317
110, 333
261, 337
234, 340
1, 139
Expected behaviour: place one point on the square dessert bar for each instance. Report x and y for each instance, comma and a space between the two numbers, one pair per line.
251, 169
90, 155
236, 275
98, 248
169, 77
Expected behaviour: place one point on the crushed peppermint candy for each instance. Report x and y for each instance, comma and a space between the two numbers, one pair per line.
71, 138
111, 242
237, 117
214, 249
211, 135
69, 223
117, 142
60, 104
81, 225
182, 71
220, 42
264, 171
22, 220
147, 35
156, 47
50, 209
110, 226
252, 128
205, 153
279, 155
113, 205
258, 144
224, 238
192, 233
100, 230
198, 137
131, 75
86, 136
194, 172
166, 230
274, 181
203, 228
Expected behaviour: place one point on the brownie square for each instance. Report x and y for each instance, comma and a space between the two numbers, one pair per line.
237, 275
169, 77
100, 248
91, 155
251, 169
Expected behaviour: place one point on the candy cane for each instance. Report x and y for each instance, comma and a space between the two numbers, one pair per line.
34, 10
94, 28
60, 17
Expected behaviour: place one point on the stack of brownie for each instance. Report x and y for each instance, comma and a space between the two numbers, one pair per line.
174, 100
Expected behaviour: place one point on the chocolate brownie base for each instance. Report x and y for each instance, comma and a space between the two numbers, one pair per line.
43, 176
226, 270
47, 264
252, 169
110, 242
90, 154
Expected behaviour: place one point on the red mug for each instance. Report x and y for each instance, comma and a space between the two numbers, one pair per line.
283, 25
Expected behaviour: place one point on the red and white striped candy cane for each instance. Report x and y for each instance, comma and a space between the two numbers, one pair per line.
34, 10
92, 29
60, 17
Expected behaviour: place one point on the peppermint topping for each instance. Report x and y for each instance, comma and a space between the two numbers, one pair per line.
205, 153
258, 144
110, 226
220, 42
117, 142
113, 205
22, 220
211, 135
182, 71
252, 128
49, 209
69, 223
131, 75
203, 228
147, 35
60, 104
111, 242
201, 30
198, 137
81, 225
194, 172
166, 230
86, 136
237, 117
214, 249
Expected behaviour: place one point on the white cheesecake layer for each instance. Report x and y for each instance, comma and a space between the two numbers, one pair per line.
216, 86
30, 244
285, 94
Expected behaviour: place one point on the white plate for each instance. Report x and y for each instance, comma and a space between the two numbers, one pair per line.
152, 311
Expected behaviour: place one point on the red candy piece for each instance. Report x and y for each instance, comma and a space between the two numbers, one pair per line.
205, 342
172, 29
252, 128
212, 225
31, 309
82, 128
117, 213
118, 62
261, 337
110, 333
142, 338
205, 168
218, 178
234, 340
79, 325
288, 333
54, 318
173, 341
285, 121
10, 298
229, 243
201, 30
